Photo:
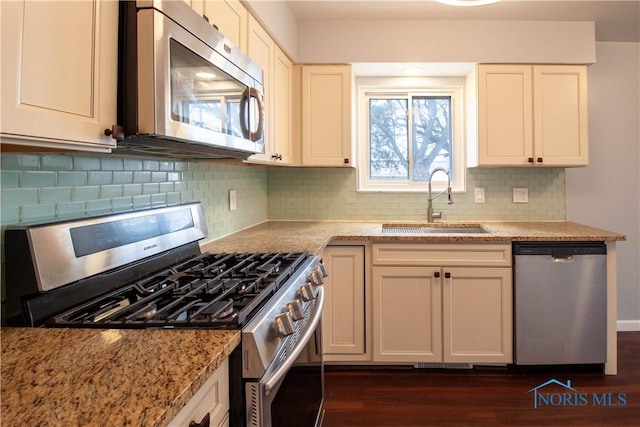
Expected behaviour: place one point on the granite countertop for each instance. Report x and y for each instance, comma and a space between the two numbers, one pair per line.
114, 377
68, 377
313, 236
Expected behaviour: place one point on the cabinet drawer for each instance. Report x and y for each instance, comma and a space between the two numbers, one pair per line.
439, 254
212, 398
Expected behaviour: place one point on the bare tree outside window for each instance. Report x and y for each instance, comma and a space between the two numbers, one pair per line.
399, 154
389, 151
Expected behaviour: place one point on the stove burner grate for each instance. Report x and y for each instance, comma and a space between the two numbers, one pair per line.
212, 290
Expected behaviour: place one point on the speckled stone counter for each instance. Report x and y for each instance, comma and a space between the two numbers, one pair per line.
315, 235
94, 377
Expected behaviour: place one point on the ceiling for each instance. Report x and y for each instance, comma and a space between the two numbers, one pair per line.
616, 21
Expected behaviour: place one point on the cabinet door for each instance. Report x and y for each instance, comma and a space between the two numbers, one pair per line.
477, 315
406, 315
230, 17
197, 5
343, 316
505, 126
283, 99
212, 398
261, 49
560, 111
326, 115
59, 73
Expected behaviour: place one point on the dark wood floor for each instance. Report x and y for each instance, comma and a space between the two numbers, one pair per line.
423, 397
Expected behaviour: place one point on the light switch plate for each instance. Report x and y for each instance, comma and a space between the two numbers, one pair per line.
478, 195
520, 195
232, 200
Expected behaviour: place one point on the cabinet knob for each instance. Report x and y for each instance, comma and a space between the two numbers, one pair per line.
276, 157
116, 132
436, 274
539, 159
346, 161
447, 275
530, 159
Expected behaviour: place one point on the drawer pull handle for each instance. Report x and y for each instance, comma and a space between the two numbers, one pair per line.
562, 259
206, 422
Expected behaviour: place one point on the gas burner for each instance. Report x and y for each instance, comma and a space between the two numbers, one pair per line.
215, 290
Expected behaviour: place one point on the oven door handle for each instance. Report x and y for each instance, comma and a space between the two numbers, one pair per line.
274, 379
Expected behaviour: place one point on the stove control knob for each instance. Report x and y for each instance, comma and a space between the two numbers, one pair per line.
316, 278
307, 293
295, 310
322, 269
284, 325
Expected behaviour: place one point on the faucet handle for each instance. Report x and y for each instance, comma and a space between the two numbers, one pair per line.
437, 215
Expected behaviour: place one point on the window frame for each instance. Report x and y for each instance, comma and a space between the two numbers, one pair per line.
381, 87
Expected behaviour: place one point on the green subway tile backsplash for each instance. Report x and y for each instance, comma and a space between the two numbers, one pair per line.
50, 187
330, 194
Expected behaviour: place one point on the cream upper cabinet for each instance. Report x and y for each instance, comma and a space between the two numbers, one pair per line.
531, 115
230, 17
560, 133
283, 107
197, 5
343, 316
277, 69
261, 49
59, 74
442, 302
326, 115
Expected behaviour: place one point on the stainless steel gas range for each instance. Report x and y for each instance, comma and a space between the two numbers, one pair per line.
144, 269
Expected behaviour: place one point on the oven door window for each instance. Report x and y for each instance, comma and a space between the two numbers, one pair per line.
299, 398
204, 96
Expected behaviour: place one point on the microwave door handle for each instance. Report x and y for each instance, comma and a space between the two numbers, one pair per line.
254, 93
274, 379
245, 101
244, 117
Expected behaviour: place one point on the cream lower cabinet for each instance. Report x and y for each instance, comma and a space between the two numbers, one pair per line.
407, 315
477, 315
59, 65
211, 399
444, 302
344, 324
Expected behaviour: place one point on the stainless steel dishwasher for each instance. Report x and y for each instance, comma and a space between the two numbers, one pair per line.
560, 303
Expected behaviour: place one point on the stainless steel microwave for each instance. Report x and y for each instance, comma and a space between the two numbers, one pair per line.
184, 90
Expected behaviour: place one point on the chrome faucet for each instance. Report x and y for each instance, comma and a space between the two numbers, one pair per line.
430, 214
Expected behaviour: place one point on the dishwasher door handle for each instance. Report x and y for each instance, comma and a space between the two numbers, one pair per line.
562, 259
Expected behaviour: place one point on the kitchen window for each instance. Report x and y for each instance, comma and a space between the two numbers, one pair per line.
406, 130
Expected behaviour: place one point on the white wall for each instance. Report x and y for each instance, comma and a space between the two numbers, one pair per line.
279, 21
446, 41
606, 194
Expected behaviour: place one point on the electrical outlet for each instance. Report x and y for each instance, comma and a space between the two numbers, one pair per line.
232, 200
520, 195
478, 194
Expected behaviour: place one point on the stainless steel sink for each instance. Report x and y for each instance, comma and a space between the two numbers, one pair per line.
435, 228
